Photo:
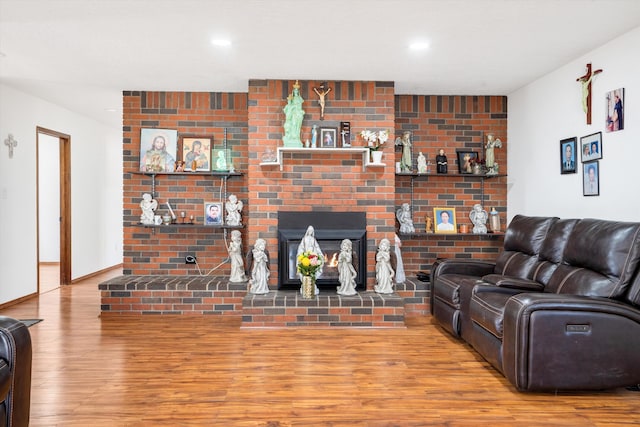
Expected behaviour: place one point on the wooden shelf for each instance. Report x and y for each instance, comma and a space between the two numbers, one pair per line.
364, 151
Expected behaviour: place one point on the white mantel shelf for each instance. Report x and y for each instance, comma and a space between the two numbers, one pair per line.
366, 163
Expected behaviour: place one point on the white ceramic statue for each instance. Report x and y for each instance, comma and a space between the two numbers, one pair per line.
400, 276
384, 271
403, 214
259, 283
148, 206
310, 244
346, 272
235, 255
422, 163
233, 208
478, 217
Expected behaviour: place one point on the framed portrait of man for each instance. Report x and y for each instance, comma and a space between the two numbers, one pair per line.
568, 155
213, 213
591, 179
445, 220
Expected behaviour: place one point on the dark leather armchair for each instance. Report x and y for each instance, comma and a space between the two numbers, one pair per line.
15, 373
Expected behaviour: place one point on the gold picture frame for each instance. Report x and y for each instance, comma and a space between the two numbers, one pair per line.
445, 220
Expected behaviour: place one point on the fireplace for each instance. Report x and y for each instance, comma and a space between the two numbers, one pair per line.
330, 229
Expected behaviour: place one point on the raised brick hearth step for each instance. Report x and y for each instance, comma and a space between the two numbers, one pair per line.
288, 308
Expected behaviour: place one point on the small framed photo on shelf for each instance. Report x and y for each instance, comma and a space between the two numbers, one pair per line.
221, 159
591, 147
196, 152
213, 213
328, 137
568, 158
591, 179
158, 149
466, 160
445, 219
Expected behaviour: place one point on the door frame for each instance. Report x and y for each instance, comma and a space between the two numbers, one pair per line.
65, 202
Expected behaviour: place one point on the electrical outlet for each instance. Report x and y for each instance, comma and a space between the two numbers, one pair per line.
190, 259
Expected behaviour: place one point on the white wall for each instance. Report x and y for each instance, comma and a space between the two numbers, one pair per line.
548, 110
96, 191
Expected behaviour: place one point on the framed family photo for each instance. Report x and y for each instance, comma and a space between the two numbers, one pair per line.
198, 150
158, 149
568, 157
445, 220
213, 213
328, 137
591, 147
466, 160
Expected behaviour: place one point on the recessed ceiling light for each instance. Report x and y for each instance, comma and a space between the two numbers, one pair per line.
419, 46
221, 42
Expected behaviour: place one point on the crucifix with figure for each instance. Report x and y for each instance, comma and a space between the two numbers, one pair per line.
10, 142
585, 81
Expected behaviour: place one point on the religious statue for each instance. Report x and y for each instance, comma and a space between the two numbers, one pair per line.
310, 244
428, 224
384, 271
406, 163
259, 283
314, 136
403, 214
293, 118
148, 206
422, 163
346, 272
235, 256
322, 92
585, 81
441, 162
233, 208
221, 162
478, 217
400, 276
489, 158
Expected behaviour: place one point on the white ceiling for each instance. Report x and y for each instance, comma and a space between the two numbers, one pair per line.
82, 54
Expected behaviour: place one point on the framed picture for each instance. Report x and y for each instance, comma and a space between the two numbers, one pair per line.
158, 149
345, 134
198, 150
568, 155
213, 213
445, 219
221, 159
328, 137
591, 179
615, 110
465, 160
591, 147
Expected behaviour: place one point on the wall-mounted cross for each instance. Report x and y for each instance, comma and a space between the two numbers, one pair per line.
586, 90
10, 142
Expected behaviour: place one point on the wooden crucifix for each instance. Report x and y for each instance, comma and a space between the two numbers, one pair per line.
585, 81
322, 91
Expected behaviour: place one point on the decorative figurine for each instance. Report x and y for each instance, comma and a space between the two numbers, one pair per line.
259, 283
441, 162
234, 207
400, 276
346, 272
179, 166
422, 163
314, 136
322, 92
221, 162
148, 206
405, 161
384, 271
403, 214
489, 157
478, 217
235, 255
293, 118
428, 224
310, 244
494, 220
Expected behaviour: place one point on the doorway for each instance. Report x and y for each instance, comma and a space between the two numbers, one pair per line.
54, 209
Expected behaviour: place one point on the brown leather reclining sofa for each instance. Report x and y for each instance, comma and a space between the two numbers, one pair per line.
559, 309
15, 373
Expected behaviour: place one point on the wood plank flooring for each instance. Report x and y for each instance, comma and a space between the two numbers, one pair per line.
206, 371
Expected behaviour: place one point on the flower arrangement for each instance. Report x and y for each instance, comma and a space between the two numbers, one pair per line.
375, 140
309, 262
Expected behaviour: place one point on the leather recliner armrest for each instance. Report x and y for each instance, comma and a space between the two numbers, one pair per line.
468, 267
15, 348
513, 283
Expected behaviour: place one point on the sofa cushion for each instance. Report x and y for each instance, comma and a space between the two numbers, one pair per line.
601, 258
448, 289
552, 249
487, 308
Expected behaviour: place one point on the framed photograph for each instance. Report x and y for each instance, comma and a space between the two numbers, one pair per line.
158, 149
445, 219
221, 159
568, 158
591, 179
591, 147
615, 110
345, 134
198, 150
328, 137
465, 160
213, 213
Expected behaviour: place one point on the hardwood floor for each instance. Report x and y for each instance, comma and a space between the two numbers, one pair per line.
206, 371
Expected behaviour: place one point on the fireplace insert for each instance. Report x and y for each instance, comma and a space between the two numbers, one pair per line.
330, 229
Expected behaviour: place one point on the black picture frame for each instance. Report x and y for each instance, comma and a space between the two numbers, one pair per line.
568, 165
473, 155
328, 137
591, 184
591, 147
